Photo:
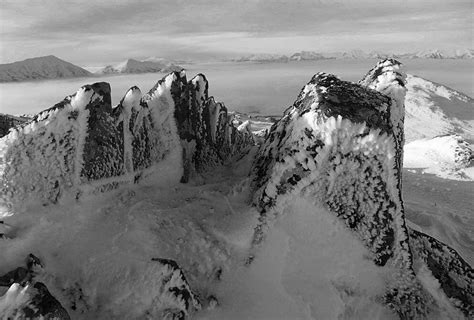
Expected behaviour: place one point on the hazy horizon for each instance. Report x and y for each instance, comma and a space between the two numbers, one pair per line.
90, 34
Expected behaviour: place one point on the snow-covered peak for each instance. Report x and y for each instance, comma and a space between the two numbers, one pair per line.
262, 57
445, 54
359, 54
132, 98
136, 66
307, 55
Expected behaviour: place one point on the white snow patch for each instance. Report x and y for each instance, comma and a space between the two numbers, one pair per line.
441, 156
13, 300
310, 267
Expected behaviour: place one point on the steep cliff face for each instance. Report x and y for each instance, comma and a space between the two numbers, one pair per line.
454, 275
83, 144
337, 140
341, 146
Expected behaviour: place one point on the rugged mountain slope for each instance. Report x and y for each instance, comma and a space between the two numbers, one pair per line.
135, 66
88, 145
433, 109
340, 146
327, 209
48, 67
82, 146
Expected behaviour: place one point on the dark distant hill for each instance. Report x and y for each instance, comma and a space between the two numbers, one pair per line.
48, 67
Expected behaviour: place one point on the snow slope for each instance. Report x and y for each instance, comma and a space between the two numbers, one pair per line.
135, 66
48, 67
445, 156
433, 109
98, 252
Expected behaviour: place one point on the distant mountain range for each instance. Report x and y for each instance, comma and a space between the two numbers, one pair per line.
358, 54
51, 67
145, 66
48, 67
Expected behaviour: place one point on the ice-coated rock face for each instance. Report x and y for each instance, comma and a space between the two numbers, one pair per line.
46, 156
83, 144
8, 121
178, 301
339, 134
455, 276
27, 298
339, 145
388, 78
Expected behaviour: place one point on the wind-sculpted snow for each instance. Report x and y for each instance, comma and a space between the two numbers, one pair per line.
83, 144
341, 145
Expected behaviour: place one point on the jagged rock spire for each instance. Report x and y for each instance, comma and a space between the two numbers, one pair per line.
338, 124
339, 144
83, 144
389, 78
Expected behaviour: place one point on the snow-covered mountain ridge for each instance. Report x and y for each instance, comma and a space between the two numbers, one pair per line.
48, 67
105, 147
145, 66
358, 54
327, 214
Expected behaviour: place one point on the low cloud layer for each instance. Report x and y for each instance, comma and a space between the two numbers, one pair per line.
89, 33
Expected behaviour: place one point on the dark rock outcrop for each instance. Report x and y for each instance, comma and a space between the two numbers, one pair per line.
48, 67
30, 299
8, 121
327, 132
341, 145
175, 290
455, 276
83, 144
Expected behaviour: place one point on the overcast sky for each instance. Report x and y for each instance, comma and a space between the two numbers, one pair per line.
92, 33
